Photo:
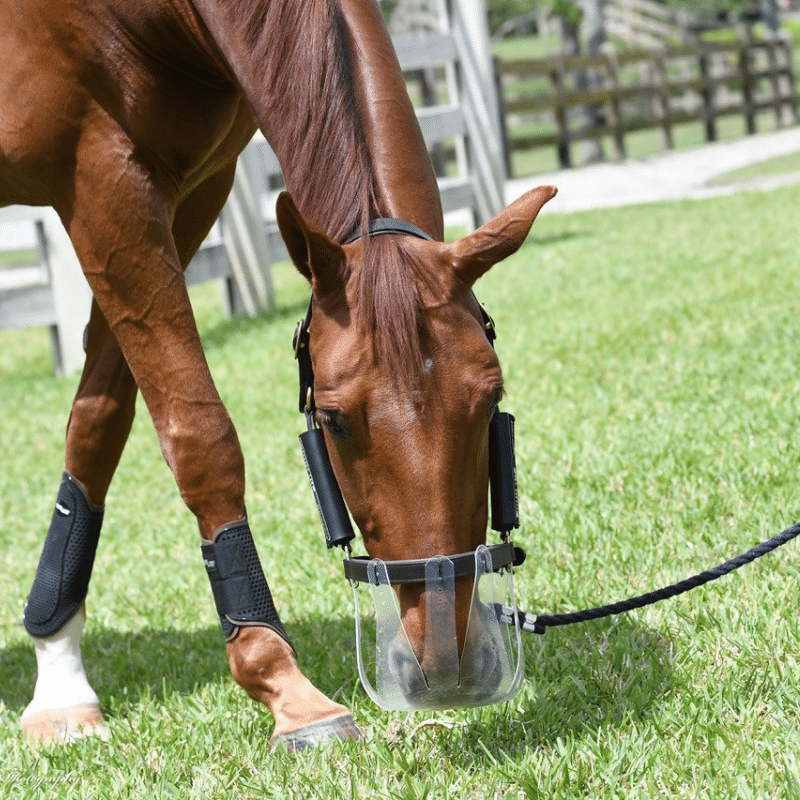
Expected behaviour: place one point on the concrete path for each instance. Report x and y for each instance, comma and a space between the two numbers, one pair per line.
673, 175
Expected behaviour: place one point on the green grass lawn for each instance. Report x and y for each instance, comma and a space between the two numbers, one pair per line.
12, 258
780, 165
652, 364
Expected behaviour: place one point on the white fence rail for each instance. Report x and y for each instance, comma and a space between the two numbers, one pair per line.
53, 293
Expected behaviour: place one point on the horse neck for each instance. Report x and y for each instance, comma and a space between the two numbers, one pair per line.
326, 90
401, 166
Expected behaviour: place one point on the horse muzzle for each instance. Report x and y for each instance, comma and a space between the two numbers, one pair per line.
489, 667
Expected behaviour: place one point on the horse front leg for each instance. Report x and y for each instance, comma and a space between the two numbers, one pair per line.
133, 263
261, 657
64, 705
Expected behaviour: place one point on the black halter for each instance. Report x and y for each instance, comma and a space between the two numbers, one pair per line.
331, 505
382, 225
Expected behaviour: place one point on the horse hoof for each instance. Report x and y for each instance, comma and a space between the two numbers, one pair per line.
64, 725
311, 736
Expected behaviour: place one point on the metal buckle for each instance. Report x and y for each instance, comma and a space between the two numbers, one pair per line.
297, 339
488, 324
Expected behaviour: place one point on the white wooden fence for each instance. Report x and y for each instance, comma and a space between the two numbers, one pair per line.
52, 293
645, 23
245, 240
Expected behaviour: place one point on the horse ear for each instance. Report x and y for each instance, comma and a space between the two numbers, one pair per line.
318, 258
476, 253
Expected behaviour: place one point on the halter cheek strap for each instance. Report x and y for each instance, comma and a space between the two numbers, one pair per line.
377, 227
330, 503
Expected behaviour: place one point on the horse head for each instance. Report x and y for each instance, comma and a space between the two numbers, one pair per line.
405, 385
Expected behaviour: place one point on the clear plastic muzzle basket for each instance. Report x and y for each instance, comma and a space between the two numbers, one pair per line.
489, 668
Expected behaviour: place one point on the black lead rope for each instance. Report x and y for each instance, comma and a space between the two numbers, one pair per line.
540, 623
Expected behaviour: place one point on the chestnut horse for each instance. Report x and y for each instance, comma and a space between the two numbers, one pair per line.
128, 118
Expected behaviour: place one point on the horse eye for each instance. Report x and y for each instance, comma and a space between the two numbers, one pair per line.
496, 398
333, 421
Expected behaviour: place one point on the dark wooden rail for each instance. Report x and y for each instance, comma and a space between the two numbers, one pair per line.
572, 99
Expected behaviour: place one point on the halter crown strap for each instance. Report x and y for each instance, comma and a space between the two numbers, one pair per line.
383, 225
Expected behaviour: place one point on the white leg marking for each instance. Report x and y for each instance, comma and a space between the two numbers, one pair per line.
63, 697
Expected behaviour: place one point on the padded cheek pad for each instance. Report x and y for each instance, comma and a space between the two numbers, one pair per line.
240, 589
65, 566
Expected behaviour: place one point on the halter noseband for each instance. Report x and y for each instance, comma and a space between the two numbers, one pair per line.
331, 505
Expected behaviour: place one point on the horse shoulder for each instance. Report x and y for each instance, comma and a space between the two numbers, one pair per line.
144, 72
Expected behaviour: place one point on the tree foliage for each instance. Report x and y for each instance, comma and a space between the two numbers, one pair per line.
500, 11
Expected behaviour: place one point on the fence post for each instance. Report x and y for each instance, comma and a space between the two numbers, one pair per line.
614, 106
497, 65
707, 94
245, 240
769, 12
72, 298
788, 70
748, 83
770, 49
663, 111
779, 53
469, 25
561, 111
589, 79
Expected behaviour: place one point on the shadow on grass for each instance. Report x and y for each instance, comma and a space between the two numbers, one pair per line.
157, 663
541, 240
579, 680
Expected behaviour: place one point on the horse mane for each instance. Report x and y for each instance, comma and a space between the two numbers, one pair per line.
315, 125
313, 121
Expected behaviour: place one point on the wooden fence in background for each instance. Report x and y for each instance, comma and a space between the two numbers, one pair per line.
563, 100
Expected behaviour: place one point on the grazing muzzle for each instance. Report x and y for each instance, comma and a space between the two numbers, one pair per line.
490, 666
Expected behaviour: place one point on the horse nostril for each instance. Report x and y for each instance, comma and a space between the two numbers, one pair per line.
481, 664
405, 670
